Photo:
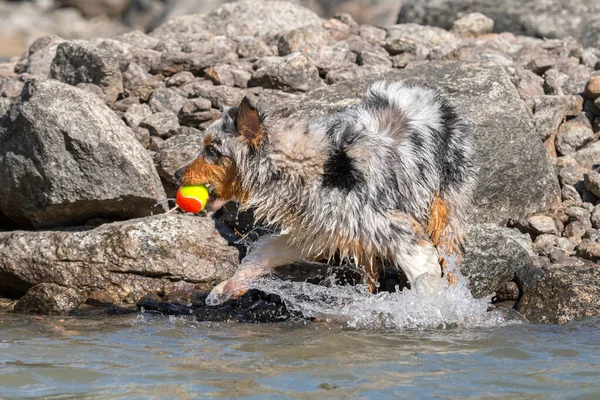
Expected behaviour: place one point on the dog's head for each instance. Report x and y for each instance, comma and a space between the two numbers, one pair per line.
239, 130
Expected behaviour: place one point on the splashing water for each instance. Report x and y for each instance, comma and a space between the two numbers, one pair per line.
441, 306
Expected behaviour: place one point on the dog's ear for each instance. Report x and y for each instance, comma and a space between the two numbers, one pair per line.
249, 124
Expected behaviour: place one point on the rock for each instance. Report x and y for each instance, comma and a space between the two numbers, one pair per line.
139, 39
98, 8
165, 99
541, 65
4, 105
551, 18
162, 124
572, 135
569, 192
588, 156
220, 96
564, 294
127, 54
425, 42
589, 250
11, 89
528, 84
175, 152
228, 75
592, 88
595, 218
136, 113
544, 243
550, 111
197, 111
80, 62
291, 73
180, 79
554, 80
126, 259
327, 58
41, 54
252, 48
592, 182
515, 175
575, 231
50, 298
295, 40
65, 158
566, 244
540, 224
473, 24
493, 256
137, 83
375, 57
372, 34
243, 18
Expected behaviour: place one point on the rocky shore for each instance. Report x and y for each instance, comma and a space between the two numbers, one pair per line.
92, 131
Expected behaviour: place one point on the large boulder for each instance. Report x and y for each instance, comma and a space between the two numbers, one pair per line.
124, 260
65, 158
243, 18
541, 18
515, 174
564, 294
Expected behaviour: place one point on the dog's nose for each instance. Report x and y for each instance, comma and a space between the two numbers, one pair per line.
179, 173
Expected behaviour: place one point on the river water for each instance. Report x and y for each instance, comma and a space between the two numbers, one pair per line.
403, 345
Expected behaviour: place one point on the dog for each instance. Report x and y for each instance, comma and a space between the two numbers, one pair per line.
390, 178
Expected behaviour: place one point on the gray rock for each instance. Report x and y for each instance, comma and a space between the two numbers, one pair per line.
327, 58
251, 48
175, 152
540, 224
126, 53
295, 40
165, 99
11, 89
137, 83
569, 192
590, 37
41, 53
589, 156
65, 158
589, 250
515, 175
126, 259
136, 113
98, 8
544, 243
49, 299
554, 81
528, 84
592, 182
493, 256
566, 244
162, 124
572, 135
563, 294
550, 111
291, 73
595, 217
197, 111
426, 42
243, 18
473, 24
80, 62
372, 34
551, 18
139, 39
220, 96
228, 75
4, 105
374, 57
575, 231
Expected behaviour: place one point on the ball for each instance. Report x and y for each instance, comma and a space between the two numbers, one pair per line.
192, 198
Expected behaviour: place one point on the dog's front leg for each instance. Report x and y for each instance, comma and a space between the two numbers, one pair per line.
268, 252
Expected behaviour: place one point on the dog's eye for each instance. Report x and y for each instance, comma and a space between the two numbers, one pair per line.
212, 151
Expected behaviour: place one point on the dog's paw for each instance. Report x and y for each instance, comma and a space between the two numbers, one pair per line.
232, 288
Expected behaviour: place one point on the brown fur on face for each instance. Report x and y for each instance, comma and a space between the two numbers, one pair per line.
224, 178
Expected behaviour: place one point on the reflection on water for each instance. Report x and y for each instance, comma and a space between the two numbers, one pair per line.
147, 355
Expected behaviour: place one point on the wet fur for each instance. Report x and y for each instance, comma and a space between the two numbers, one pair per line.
389, 178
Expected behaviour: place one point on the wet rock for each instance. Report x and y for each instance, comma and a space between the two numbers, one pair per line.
162, 124
425, 42
564, 294
515, 176
473, 24
66, 157
50, 298
165, 99
592, 88
550, 111
243, 18
80, 62
124, 259
493, 257
572, 135
295, 40
592, 182
290, 73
